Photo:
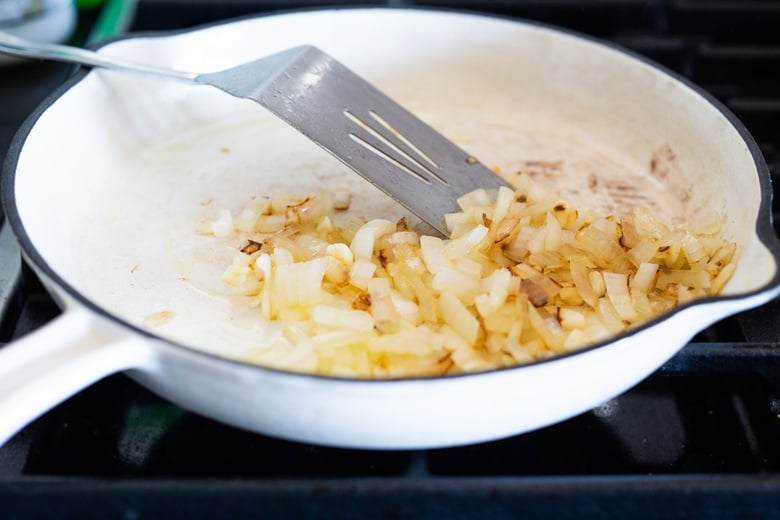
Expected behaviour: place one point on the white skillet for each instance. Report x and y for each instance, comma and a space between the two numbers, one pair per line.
108, 182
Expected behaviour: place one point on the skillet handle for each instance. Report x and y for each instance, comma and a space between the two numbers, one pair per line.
50, 364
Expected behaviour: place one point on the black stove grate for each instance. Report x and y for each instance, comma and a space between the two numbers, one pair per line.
699, 438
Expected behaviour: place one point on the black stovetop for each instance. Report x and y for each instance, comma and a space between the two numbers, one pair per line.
699, 438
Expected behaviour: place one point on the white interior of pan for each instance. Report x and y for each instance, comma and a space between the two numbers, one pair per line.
118, 175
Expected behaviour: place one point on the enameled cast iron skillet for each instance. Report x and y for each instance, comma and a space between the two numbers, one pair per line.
107, 183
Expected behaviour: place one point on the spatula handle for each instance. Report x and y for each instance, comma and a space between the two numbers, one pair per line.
19, 47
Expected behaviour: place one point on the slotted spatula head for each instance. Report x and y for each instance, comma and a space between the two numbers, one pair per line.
361, 126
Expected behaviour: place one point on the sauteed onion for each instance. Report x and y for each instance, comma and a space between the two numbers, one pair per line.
522, 276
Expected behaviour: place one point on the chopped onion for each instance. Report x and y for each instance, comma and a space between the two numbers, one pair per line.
457, 316
616, 286
523, 276
362, 245
361, 273
644, 277
223, 226
335, 318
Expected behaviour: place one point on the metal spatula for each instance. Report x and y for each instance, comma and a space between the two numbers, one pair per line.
335, 108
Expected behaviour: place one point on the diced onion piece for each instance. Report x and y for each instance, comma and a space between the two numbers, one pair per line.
643, 251
575, 340
516, 249
382, 307
721, 257
361, 272
336, 318
342, 197
642, 305
720, 281
647, 225
407, 309
536, 244
362, 245
496, 285
535, 293
299, 284
263, 271
458, 224
707, 223
504, 199
457, 316
544, 282
597, 282
570, 296
505, 229
464, 244
223, 226
552, 233
282, 256
684, 294
477, 197
580, 274
616, 285
546, 326
572, 319
405, 237
239, 269
282, 355
609, 316
341, 252
297, 334
501, 320
280, 201
644, 278
519, 353
324, 227
417, 341
328, 342
418, 290
457, 282
601, 240
270, 223
336, 272
246, 220
310, 210
693, 249
697, 278
433, 254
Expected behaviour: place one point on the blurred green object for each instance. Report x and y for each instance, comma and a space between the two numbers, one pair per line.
112, 17
88, 4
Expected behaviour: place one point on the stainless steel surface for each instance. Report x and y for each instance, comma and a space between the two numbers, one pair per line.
337, 109
10, 267
14, 46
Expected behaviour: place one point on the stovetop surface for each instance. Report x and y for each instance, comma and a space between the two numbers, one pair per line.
699, 438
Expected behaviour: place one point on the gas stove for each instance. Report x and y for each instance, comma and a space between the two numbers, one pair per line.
698, 438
